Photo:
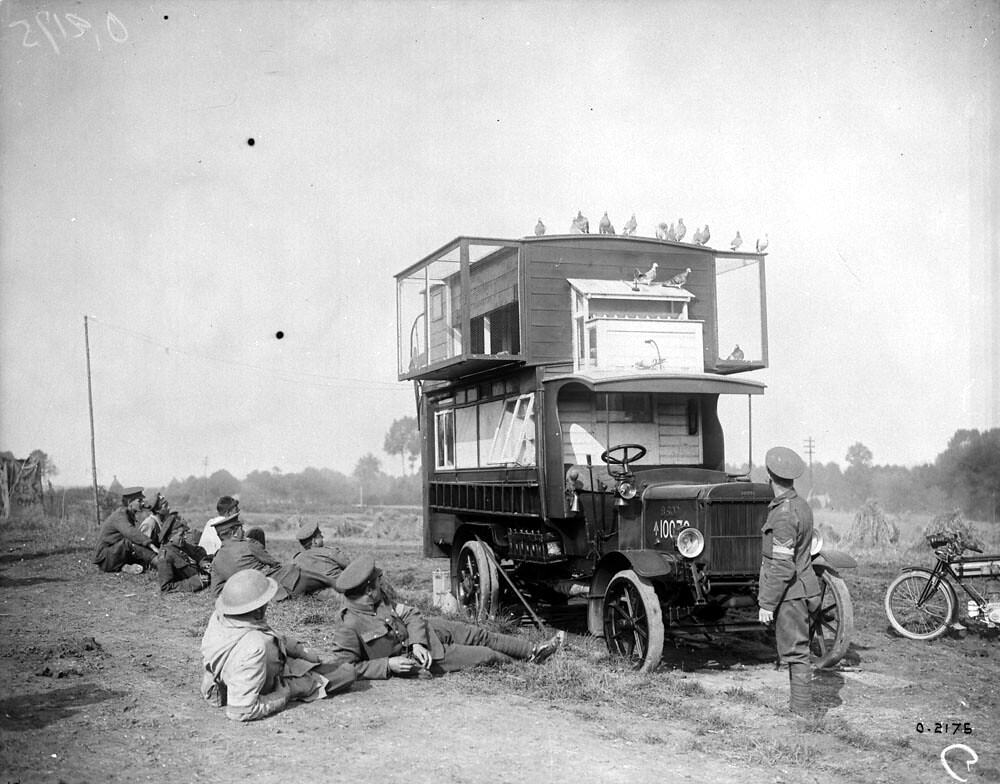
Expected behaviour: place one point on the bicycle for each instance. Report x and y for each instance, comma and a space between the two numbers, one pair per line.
921, 603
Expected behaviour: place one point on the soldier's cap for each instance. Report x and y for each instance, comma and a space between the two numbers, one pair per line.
129, 493
784, 463
222, 524
358, 572
306, 530
245, 591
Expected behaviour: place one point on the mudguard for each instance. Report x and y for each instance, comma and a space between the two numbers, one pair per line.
834, 559
651, 563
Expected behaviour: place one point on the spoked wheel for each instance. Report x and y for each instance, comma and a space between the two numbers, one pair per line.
926, 621
633, 621
831, 625
476, 581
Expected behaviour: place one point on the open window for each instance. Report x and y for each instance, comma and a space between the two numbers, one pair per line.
444, 439
514, 440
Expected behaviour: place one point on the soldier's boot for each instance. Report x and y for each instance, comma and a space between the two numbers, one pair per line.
800, 683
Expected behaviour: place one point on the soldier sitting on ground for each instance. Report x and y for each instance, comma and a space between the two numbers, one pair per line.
159, 508
209, 540
252, 670
325, 562
182, 566
237, 552
381, 639
121, 546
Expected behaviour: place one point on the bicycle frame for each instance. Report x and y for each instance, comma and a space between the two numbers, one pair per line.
942, 570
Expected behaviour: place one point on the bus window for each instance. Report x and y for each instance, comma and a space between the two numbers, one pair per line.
444, 443
514, 440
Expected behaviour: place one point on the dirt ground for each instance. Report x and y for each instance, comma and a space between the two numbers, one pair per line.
101, 684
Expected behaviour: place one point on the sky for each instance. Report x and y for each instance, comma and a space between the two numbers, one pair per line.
860, 137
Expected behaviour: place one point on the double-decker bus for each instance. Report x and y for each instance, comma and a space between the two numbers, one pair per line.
568, 393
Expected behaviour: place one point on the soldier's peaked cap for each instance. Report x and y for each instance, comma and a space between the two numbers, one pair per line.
306, 530
358, 572
784, 463
131, 492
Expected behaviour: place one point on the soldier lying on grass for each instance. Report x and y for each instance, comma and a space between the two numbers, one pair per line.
252, 670
381, 639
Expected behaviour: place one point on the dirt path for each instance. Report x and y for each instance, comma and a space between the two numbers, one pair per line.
102, 672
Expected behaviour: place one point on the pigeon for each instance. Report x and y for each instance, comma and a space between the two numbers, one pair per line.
605, 226
539, 228
671, 234
680, 278
696, 239
737, 241
661, 231
629, 228
648, 276
737, 354
580, 224
681, 230
762, 244
706, 235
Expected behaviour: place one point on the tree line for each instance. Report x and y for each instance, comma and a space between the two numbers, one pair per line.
965, 476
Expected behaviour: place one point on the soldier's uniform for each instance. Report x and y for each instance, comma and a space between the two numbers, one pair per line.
120, 542
323, 564
788, 583
371, 632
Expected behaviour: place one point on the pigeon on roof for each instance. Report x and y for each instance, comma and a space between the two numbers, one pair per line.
696, 239
630, 226
661, 231
605, 226
671, 233
737, 354
737, 241
706, 235
580, 224
680, 278
681, 230
762, 244
648, 276
539, 228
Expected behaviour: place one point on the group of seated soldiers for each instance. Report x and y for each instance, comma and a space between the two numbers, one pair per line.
133, 543
250, 669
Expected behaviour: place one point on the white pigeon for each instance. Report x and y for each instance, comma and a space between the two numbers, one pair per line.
630, 226
706, 235
737, 241
681, 230
605, 226
737, 354
661, 231
680, 278
648, 276
539, 228
696, 239
762, 244
580, 224
671, 233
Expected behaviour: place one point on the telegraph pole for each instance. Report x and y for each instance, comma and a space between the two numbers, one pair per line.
90, 406
810, 446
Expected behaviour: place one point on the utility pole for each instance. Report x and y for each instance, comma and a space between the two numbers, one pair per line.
810, 448
90, 406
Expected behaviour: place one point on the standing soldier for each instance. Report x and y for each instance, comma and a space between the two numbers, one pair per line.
788, 584
121, 546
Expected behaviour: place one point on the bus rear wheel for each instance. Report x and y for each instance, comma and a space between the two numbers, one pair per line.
476, 581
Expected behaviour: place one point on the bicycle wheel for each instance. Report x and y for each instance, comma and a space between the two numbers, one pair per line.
926, 622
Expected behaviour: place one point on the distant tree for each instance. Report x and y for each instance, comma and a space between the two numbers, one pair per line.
368, 471
969, 471
222, 483
46, 468
858, 475
403, 439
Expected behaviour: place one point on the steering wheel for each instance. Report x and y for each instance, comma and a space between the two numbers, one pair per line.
624, 460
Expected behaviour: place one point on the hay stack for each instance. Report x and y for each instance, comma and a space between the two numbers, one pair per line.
871, 528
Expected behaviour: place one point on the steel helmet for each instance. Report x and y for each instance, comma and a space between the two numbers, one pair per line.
245, 591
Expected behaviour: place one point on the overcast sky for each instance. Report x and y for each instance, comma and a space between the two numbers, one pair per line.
853, 133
